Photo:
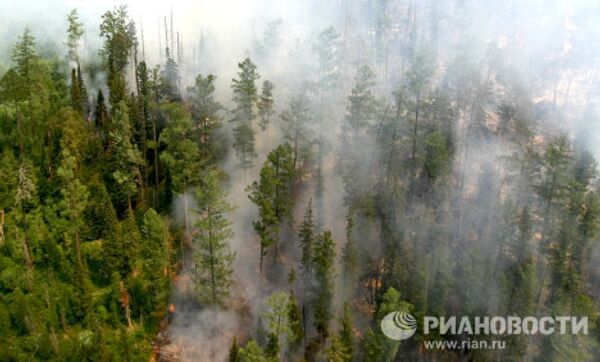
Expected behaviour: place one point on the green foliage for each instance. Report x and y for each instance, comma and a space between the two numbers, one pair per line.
327, 48
266, 104
323, 261
337, 352
234, 351
307, 238
377, 346
212, 256
278, 322
245, 93
437, 156
205, 112
295, 323
181, 154
271, 194
252, 352
127, 158
74, 33
346, 334
243, 144
245, 96
361, 108
119, 34
297, 120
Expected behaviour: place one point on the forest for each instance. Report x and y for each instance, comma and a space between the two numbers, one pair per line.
259, 181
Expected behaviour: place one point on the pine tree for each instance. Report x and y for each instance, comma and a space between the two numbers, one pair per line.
82, 92
272, 196
25, 197
155, 249
101, 117
243, 144
74, 33
323, 261
25, 57
377, 346
26, 60
266, 104
127, 158
520, 278
74, 201
119, 34
295, 323
272, 348
278, 323
361, 107
234, 351
205, 114
8, 185
327, 49
350, 255
307, 238
297, 120
245, 96
181, 154
170, 78
337, 352
76, 100
212, 256
252, 352
346, 334
419, 77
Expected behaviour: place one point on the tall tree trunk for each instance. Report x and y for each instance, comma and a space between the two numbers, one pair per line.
261, 257
27, 256
155, 154
1, 226
414, 140
186, 215
78, 251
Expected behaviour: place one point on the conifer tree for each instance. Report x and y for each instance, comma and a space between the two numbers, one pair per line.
307, 238
252, 352
337, 352
234, 351
295, 323
323, 261
297, 120
74, 201
328, 52
266, 104
76, 100
272, 196
82, 92
170, 78
26, 60
205, 110
350, 255
127, 158
377, 346
181, 155
278, 322
101, 117
155, 249
346, 333
245, 96
74, 33
212, 255
119, 34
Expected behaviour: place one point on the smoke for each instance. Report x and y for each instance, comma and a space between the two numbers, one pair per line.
547, 50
